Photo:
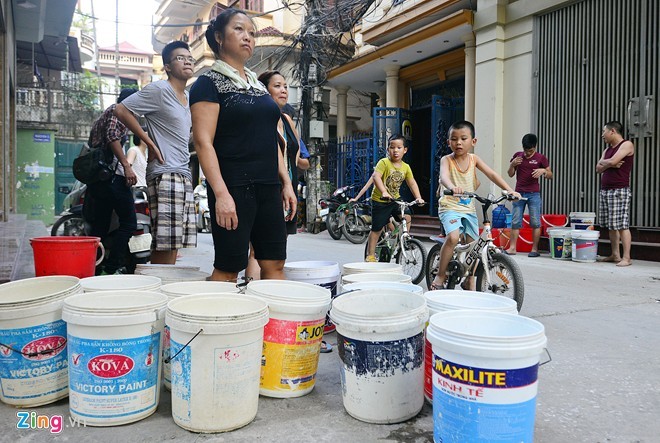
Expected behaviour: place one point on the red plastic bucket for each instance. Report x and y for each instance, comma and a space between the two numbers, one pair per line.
74, 256
524, 242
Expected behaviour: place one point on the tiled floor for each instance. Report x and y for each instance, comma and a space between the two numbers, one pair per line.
15, 251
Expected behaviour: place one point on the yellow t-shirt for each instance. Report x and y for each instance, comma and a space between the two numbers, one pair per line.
392, 177
463, 179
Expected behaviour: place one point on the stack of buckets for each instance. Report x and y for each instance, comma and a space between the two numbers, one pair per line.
579, 242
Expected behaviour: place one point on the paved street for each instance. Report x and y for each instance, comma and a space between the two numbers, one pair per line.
602, 385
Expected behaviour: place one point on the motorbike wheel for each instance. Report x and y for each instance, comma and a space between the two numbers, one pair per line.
71, 225
414, 264
505, 276
332, 223
432, 263
355, 229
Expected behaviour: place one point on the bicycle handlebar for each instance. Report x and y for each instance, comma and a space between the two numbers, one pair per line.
505, 196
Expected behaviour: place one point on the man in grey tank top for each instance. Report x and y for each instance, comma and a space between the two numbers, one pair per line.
164, 105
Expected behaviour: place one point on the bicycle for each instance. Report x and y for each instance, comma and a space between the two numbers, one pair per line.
354, 221
495, 271
408, 252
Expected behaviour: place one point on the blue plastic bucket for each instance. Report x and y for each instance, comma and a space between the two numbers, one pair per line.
485, 369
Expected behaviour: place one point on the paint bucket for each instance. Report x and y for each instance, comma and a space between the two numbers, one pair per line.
485, 369
146, 268
381, 346
75, 256
582, 220
115, 340
368, 267
584, 245
375, 276
292, 337
408, 287
174, 290
451, 300
321, 273
173, 273
31, 323
216, 345
560, 243
129, 282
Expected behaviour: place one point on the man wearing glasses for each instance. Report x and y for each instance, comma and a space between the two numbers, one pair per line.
164, 105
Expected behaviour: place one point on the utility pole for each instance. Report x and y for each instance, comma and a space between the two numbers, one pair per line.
96, 57
117, 81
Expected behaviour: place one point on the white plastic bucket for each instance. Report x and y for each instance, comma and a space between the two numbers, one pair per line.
216, 345
484, 375
292, 337
381, 345
584, 245
120, 283
451, 300
560, 243
174, 290
173, 273
375, 276
364, 267
115, 340
31, 323
146, 268
321, 273
582, 220
409, 287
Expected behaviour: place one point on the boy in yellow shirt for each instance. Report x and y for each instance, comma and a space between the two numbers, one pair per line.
388, 176
458, 214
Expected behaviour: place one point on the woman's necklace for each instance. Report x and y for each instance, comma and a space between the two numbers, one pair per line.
458, 166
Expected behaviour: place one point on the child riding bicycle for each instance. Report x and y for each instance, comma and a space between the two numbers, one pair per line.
458, 213
388, 176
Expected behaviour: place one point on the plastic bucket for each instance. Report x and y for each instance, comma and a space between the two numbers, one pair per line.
174, 290
508, 219
408, 287
381, 346
75, 256
173, 273
584, 245
582, 220
368, 267
321, 273
450, 300
146, 268
114, 355
375, 276
485, 369
31, 322
216, 344
549, 221
560, 243
292, 337
524, 242
120, 283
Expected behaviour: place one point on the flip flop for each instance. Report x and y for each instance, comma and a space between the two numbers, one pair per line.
608, 259
325, 347
533, 254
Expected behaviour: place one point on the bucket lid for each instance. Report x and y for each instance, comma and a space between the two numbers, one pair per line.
377, 276
120, 283
289, 292
310, 266
119, 307
409, 287
362, 267
173, 275
585, 234
217, 313
37, 290
449, 300
557, 232
382, 310
582, 214
198, 287
489, 334
148, 266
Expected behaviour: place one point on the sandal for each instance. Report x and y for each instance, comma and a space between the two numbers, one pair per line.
325, 347
436, 286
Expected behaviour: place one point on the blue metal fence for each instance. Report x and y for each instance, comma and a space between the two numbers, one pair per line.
350, 161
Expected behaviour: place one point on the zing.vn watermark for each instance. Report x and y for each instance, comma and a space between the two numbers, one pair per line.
54, 423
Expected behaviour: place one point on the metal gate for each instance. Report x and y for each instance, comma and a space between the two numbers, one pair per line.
350, 161
596, 61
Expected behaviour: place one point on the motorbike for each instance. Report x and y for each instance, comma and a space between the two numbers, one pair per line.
202, 210
72, 222
329, 208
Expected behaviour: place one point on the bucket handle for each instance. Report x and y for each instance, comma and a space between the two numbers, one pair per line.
169, 359
547, 353
35, 354
98, 262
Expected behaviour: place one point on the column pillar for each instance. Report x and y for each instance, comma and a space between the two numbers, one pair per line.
470, 74
342, 106
392, 85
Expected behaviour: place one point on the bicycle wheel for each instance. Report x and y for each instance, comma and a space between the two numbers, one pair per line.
355, 229
70, 225
412, 257
432, 263
505, 278
332, 223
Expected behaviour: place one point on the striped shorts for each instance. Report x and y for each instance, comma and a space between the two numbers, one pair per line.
614, 208
172, 208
